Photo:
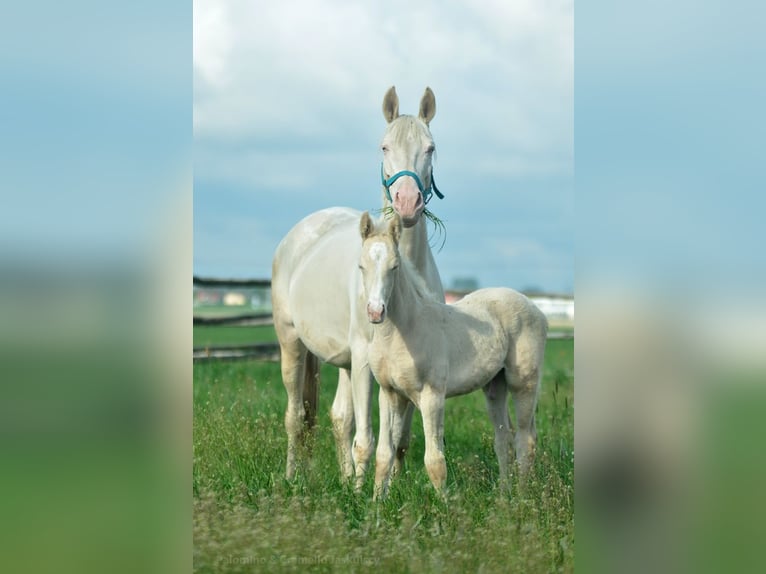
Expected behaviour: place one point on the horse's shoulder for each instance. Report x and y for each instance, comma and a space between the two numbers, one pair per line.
322, 222
333, 225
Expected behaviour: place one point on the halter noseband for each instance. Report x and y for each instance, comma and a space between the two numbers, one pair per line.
387, 183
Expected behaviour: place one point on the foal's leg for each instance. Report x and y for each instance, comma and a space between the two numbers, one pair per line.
390, 419
403, 439
496, 395
342, 415
384, 455
364, 440
393, 413
432, 409
293, 361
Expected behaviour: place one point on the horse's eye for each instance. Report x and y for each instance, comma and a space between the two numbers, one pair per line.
384, 148
430, 149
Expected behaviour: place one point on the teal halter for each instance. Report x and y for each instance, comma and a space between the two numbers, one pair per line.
387, 183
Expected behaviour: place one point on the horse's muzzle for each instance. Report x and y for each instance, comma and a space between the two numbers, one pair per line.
409, 204
376, 314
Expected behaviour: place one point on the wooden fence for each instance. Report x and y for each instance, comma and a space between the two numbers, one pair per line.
268, 351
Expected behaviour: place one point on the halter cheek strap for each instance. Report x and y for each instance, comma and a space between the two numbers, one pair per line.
387, 183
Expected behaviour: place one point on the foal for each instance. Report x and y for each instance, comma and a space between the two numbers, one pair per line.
424, 351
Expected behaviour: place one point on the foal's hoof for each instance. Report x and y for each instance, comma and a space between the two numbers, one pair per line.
380, 492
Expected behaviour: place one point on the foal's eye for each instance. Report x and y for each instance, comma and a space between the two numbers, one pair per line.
384, 148
430, 149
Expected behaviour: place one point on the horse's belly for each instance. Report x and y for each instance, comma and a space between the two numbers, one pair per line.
329, 344
320, 295
471, 375
470, 382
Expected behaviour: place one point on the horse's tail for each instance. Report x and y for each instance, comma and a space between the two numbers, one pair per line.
311, 389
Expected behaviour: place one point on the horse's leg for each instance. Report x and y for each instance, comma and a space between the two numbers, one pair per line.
293, 359
311, 389
403, 440
342, 415
384, 455
524, 382
496, 395
364, 440
432, 409
393, 412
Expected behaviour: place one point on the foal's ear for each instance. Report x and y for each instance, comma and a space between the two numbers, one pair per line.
365, 225
427, 106
395, 229
391, 105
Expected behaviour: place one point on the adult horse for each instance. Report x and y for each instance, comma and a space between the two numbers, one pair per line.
424, 351
319, 309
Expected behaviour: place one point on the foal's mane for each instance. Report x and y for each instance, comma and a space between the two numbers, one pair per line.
411, 275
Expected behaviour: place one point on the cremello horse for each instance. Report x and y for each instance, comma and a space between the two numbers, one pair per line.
318, 305
423, 351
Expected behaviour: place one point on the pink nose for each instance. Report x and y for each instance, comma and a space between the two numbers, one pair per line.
376, 314
408, 203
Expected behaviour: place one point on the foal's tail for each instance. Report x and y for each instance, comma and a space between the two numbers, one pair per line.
311, 389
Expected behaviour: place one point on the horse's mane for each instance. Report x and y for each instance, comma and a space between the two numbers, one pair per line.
412, 276
416, 280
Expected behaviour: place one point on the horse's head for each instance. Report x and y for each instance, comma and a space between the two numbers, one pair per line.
379, 263
408, 149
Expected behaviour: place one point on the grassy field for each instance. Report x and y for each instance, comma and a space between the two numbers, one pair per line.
231, 335
248, 518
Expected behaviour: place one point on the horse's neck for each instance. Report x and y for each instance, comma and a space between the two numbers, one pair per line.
405, 306
414, 246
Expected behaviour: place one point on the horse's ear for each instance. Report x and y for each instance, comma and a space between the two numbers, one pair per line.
427, 106
395, 229
365, 225
391, 105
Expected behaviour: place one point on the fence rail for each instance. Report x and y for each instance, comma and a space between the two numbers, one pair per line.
256, 351
245, 320
268, 351
212, 282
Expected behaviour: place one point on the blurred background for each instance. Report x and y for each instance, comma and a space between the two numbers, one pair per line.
96, 256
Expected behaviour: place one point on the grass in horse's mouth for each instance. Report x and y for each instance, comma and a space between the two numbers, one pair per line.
430, 216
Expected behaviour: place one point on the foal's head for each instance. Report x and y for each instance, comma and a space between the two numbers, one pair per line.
379, 263
407, 152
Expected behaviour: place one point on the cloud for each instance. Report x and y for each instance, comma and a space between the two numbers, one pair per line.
287, 114
502, 71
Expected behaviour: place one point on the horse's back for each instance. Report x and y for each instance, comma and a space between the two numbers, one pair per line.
512, 309
524, 324
304, 236
312, 281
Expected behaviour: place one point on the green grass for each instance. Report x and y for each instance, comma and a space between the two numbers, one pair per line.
247, 517
227, 335
222, 310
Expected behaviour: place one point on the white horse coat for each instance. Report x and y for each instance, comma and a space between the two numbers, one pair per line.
318, 305
423, 351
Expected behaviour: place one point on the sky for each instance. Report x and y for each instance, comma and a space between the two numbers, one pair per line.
288, 120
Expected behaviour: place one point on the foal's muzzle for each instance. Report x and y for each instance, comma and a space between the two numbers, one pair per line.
376, 313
